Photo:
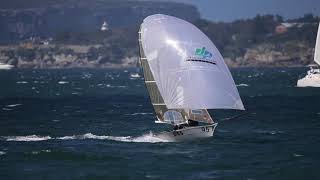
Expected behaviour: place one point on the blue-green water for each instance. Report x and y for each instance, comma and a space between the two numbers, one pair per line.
96, 124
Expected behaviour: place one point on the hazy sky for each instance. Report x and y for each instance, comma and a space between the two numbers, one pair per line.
228, 10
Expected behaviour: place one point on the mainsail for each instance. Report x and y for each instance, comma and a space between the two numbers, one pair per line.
317, 48
184, 72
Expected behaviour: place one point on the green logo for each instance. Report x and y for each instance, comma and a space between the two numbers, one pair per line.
202, 52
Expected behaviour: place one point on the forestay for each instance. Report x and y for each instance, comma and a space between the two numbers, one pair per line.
186, 71
317, 48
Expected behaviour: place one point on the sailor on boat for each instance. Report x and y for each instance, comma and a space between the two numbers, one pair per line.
190, 123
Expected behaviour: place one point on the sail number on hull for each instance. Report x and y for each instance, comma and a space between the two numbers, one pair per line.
206, 129
177, 133
203, 129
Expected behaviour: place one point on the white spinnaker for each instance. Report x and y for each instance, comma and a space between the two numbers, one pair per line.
317, 48
168, 44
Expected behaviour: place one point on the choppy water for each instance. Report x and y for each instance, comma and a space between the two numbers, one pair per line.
98, 124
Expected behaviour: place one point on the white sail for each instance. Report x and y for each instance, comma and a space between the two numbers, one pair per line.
317, 48
188, 69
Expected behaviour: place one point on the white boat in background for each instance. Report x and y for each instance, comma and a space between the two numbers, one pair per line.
134, 75
312, 79
6, 66
185, 75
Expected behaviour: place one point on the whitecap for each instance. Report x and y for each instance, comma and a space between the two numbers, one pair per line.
2, 153
134, 75
22, 82
243, 85
6, 109
27, 138
297, 155
35, 152
86, 75
13, 105
136, 114
63, 82
110, 86
271, 132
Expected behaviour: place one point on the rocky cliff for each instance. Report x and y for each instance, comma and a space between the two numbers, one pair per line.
287, 54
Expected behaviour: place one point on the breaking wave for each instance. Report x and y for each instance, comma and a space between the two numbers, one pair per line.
147, 138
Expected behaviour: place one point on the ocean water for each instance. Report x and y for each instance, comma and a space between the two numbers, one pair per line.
98, 124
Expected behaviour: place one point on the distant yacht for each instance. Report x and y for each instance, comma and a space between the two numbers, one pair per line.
105, 26
134, 75
5, 66
312, 79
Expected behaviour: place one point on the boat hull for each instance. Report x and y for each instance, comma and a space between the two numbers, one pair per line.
311, 80
188, 133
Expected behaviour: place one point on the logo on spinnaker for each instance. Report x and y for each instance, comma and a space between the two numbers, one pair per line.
202, 52
202, 55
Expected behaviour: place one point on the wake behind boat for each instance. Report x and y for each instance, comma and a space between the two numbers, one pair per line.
312, 79
185, 75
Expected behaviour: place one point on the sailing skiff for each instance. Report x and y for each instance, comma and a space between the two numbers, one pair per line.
185, 76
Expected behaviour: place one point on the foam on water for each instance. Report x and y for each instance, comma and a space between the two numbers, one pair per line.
147, 138
2, 153
271, 132
13, 105
63, 82
136, 114
243, 85
6, 109
22, 82
27, 138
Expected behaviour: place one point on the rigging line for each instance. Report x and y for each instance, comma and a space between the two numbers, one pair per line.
173, 94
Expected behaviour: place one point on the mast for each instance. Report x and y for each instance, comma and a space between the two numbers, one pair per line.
155, 96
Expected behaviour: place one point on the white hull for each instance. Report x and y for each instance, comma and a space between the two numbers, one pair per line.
188, 133
5, 66
310, 80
